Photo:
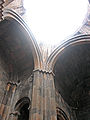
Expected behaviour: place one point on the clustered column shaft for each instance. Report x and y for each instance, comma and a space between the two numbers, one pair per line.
43, 97
7, 100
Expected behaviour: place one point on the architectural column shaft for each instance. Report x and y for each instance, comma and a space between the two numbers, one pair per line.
11, 99
43, 97
6, 102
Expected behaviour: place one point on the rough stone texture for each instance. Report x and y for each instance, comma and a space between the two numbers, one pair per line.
16, 5
43, 98
1, 9
3, 76
17, 64
24, 89
65, 107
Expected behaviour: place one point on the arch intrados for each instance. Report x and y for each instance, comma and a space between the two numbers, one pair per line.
12, 15
61, 48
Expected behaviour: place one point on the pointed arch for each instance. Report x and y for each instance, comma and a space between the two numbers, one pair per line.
21, 102
79, 39
70, 64
12, 15
22, 107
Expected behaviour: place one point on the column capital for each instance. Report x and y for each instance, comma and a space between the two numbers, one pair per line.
15, 113
12, 83
43, 96
44, 71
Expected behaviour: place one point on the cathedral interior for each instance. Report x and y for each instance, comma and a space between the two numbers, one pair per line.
40, 87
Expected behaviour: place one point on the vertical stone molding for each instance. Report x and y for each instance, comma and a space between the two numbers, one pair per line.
10, 100
7, 100
4, 101
43, 97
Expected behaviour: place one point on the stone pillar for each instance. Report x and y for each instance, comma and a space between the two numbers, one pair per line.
4, 101
43, 105
10, 100
7, 100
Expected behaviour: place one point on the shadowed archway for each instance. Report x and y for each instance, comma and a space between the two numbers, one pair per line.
23, 108
19, 48
71, 66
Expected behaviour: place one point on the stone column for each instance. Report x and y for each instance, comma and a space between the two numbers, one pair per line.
4, 101
7, 100
43, 105
10, 100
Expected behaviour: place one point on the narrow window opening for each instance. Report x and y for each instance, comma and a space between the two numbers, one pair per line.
23, 108
24, 112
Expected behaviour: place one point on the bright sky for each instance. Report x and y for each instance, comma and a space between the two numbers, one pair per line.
52, 21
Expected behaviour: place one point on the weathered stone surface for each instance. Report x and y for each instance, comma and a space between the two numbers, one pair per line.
43, 101
3, 76
20, 55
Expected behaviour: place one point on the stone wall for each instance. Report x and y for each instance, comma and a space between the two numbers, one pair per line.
24, 89
3, 76
16, 5
64, 106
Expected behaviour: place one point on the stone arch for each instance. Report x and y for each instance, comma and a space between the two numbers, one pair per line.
79, 39
21, 102
23, 107
61, 115
9, 15
70, 63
